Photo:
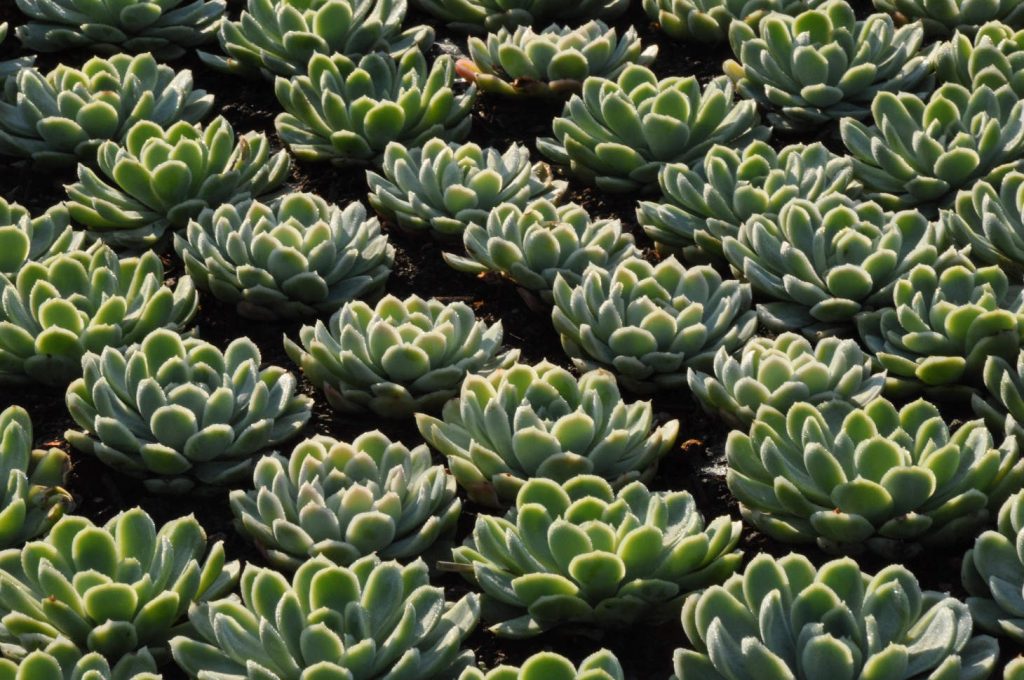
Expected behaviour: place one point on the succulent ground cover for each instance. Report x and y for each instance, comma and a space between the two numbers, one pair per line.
658, 521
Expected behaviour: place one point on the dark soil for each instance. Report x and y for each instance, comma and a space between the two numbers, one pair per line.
695, 464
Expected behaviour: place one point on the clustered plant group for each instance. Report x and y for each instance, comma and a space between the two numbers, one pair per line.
824, 251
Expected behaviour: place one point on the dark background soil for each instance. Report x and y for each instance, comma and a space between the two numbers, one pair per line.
694, 464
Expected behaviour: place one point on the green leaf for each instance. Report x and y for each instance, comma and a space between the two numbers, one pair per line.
61, 133
939, 370
172, 425
863, 497
530, 587
824, 656
598, 573
568, 65
404, 363
383, 124
99, 120
93, 548
548, 666
956, 165
111, 602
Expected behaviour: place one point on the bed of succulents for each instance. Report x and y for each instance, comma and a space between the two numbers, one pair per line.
498, 339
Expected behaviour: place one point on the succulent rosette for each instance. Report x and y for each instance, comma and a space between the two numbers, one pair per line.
842, 623
539, 421
993, 573
919, 152
278, 37
296, 257
62, 660
823, 64
25, 239
942, 18
1014, 669
476, 16
990, 219
708, 21
345, 501
443, 187
370, 620
588, 556
166, 28
552, 62
781, 371
65, 116
118, 589
617, 134
180, 413
398, 357
601, 665
347, 112
649, 323
872, 477
33, 497
943, 326
11, 67
826, 261
160, 179
533, 245
53, 312
703, 203
993, 56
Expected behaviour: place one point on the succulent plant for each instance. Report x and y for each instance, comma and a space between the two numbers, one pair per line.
24, 239
942, 327
601, 665
33, 497
1003, 405
115, 589
782, 371
869, 477
579, 553
994, 56
990, 219
993, 573
617, 134
445, 187
649, 323
348, 112
708, 21
179, 413
370, 620
160, 179
345, 501
62, 660
532, 245
826, 261
65, 116
165, 28
920, 152
399, 357
53, 312
539, 421
12, 66
1014, 669
475, 16
278, 37
704, 203
296, 257
823, 64
941, 19
551, 62
789, 619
